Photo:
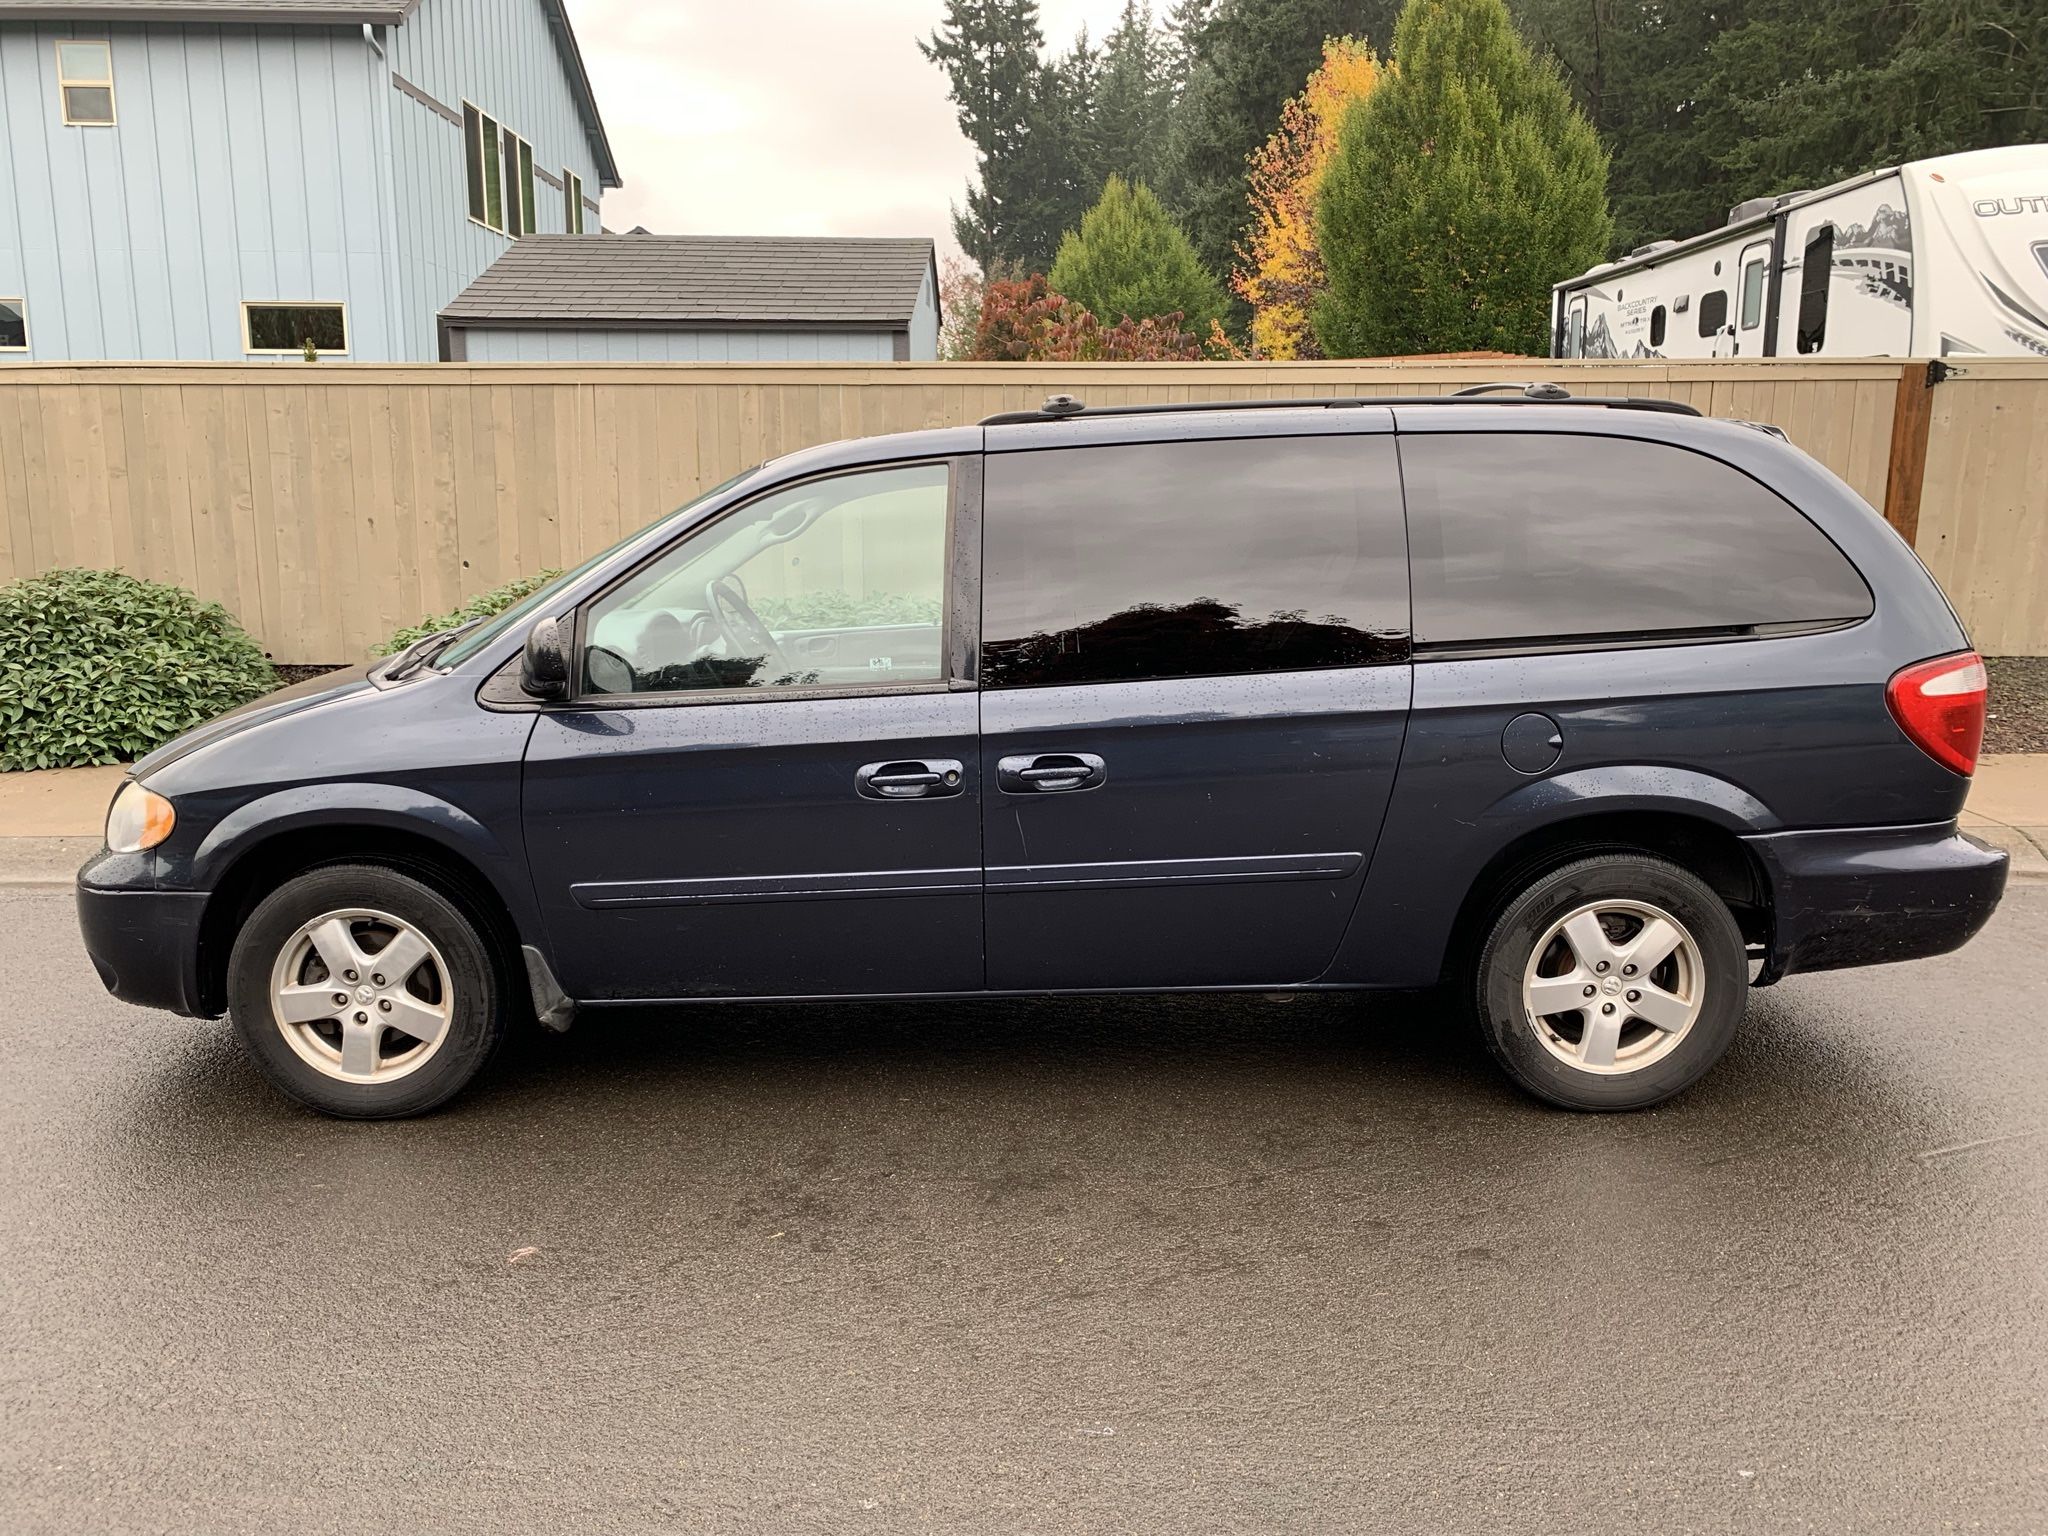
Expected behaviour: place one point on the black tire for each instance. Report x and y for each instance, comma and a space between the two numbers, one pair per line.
1513, 1036
475, 1016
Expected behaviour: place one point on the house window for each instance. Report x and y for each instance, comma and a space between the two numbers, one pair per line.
473, 159
498, 168
1657, 326
572, 202
282, 328
85, 79
1713, 312
1816, 265
518, 155
13, 325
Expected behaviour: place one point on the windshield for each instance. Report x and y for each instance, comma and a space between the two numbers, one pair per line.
468, 645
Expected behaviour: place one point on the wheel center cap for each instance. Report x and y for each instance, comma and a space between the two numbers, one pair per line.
366, 994
1611, 985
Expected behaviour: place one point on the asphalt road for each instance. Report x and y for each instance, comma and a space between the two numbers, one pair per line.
1226, 1265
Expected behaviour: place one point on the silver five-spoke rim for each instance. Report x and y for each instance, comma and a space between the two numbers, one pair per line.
1613, 986
362, 996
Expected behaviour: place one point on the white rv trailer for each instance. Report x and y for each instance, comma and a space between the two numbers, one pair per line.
1935, 258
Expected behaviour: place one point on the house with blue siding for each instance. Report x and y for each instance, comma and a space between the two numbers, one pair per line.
238, 179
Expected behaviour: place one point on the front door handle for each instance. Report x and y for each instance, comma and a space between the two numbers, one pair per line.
1050, 773
911, 779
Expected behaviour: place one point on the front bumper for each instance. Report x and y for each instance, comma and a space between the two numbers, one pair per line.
1870, 895
143, 942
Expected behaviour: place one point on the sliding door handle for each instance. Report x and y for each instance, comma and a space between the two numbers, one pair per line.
1050, 773
911, 779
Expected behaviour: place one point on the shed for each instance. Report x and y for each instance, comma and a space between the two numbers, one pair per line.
699, 298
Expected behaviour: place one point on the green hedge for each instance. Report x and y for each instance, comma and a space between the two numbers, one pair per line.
495, 601
98, 667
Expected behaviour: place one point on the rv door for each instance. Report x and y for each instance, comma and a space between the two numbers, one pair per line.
1575, 328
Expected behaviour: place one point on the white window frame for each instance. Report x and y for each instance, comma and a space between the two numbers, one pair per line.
63, 81
26, 340
249, 349
572, 193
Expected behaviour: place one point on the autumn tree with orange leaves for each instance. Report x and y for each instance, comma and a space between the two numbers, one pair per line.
1280, 268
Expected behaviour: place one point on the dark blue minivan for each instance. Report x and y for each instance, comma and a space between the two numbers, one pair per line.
1597, 712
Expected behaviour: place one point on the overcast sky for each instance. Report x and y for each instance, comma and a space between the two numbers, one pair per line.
784, 117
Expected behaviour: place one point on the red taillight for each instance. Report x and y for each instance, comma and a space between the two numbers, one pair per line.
1940, 705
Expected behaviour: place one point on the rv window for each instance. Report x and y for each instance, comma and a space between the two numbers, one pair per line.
1713, 312
1816, 265
1752, 295
1509, 532
1657, 326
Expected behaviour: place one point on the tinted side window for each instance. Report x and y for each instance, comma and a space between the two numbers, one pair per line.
1192, 560
1713, 311
1541, 537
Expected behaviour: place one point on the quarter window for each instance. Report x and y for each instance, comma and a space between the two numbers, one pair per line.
1193, 559
288, 327
1816, 266
85, 79
1713, 312
835, 583
13, 325
1520, 538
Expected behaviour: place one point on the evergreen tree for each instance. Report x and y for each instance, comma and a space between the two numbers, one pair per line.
1129, 260
1246, 59
989, 51
1462, 187
1133, 99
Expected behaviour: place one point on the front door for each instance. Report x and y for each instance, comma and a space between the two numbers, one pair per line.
1195, 681
767, 784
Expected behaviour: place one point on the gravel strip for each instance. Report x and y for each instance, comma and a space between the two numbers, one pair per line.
2017, 720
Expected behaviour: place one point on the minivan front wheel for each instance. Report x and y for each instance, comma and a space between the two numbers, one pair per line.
363, 992
1612, 983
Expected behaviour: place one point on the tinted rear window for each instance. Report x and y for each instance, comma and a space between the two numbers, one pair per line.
1543, 537
1192, 559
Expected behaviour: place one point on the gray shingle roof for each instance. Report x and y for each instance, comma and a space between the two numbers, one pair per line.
693, 279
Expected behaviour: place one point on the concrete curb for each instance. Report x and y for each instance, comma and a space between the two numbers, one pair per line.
43, 863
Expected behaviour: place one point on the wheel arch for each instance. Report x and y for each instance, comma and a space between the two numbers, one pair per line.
1703, 844
261, 864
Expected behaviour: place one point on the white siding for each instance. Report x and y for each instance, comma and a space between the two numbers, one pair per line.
500, 56
236, 170
562, 345
924, 322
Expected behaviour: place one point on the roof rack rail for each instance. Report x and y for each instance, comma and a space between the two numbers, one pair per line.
1062, 407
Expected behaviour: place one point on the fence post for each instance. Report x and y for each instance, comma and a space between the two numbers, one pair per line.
1906, 470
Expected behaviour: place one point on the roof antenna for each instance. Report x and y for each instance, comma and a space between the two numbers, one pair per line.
1061, 405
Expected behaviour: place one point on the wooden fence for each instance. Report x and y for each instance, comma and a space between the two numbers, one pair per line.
328, 506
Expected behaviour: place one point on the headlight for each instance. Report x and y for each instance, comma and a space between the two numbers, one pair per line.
139, 818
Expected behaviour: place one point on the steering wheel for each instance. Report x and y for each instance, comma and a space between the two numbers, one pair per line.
742, 627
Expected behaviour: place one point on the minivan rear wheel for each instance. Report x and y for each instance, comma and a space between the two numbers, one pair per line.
363, 992
1612, 983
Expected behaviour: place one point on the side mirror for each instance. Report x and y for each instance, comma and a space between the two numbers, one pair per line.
544, 671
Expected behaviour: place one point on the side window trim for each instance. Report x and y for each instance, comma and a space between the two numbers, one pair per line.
960, 468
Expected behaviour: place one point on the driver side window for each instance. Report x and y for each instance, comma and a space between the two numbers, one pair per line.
834, 583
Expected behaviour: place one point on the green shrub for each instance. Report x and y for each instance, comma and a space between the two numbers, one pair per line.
495, 601
98, 667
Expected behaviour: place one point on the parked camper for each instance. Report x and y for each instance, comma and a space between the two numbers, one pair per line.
1940, 257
